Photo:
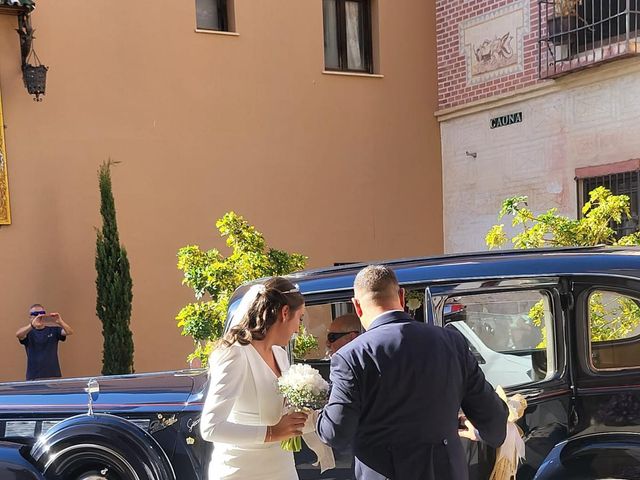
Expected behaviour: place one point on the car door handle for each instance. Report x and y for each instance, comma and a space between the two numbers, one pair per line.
574, 419
529, 394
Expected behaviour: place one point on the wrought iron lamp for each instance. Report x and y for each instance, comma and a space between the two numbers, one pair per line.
34, 73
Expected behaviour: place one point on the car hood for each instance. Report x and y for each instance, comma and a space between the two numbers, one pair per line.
144, 392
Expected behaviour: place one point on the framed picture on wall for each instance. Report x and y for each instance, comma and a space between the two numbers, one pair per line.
5, 209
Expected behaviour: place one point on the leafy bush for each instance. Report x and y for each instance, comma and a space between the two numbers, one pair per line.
210, 274
599, 215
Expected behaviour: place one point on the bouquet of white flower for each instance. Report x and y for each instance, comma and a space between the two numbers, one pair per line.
303, 388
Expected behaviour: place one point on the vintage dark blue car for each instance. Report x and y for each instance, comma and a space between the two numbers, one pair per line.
561, 327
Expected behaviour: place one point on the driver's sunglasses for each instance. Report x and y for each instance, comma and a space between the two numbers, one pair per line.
35, 314
333, 336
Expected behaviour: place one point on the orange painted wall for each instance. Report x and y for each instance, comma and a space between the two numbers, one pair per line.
339, 168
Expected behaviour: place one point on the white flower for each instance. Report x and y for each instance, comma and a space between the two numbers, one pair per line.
413, 304
303, 387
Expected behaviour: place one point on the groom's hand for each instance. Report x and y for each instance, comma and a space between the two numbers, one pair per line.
290, 425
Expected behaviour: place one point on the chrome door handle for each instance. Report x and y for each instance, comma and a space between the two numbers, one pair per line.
529, 394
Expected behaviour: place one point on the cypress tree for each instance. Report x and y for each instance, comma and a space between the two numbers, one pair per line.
113, 285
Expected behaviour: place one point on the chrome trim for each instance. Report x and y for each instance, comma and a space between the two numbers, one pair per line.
61, 381
429, 307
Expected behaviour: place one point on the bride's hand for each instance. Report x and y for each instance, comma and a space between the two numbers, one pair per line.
290, 425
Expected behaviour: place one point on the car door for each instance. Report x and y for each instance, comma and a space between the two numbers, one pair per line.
516, 328
607, 324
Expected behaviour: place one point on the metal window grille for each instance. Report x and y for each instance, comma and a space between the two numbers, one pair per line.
575, 34
627, 183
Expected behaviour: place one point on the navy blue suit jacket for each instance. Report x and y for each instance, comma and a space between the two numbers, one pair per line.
395, 395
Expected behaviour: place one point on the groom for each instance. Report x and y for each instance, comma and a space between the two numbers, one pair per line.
397, 390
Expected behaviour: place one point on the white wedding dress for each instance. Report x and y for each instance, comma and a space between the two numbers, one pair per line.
243, 399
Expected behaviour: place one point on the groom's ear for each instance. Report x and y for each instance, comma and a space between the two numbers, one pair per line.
357, 306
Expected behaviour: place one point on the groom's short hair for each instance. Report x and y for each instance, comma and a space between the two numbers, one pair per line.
376, 282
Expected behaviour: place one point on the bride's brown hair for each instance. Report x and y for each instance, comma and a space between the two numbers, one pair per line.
264, 311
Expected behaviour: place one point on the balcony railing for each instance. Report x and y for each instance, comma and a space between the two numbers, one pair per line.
576, 34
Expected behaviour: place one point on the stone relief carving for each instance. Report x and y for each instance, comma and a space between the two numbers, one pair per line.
493, 54
493, 43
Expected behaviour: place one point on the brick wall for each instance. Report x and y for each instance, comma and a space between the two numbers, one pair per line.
454, 89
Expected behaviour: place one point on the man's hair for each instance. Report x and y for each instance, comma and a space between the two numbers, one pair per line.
376, 282
36, 305
349, 321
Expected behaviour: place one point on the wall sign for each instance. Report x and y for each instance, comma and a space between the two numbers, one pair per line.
505, 120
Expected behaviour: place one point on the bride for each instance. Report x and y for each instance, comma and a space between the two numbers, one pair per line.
243, 411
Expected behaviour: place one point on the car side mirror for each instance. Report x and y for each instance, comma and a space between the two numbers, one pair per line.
454, 312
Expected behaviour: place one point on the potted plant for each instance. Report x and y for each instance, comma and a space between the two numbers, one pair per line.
566, 8
562, 27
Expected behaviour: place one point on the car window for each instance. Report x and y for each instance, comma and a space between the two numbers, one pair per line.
509, 333
414, 303
313, 348
614, 330
317, 320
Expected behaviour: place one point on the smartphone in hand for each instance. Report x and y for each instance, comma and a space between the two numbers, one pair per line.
49, 320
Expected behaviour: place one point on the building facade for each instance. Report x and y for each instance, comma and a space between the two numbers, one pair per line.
536, 98
314, 120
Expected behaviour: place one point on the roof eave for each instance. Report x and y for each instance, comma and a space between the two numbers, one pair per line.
14, 10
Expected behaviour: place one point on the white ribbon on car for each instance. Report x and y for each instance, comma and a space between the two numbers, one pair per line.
512, 449
326, 460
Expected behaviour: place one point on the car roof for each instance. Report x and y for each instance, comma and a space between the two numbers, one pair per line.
618, 260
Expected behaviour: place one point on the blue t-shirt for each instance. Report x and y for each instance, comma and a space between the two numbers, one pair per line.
42, 352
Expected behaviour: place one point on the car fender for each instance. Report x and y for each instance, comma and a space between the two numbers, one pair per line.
114, 435
571, 459
14, 464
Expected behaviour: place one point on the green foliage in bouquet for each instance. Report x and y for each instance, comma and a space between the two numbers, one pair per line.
304, 389
213, 276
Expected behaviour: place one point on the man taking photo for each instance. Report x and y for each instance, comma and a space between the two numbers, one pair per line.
40, 339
